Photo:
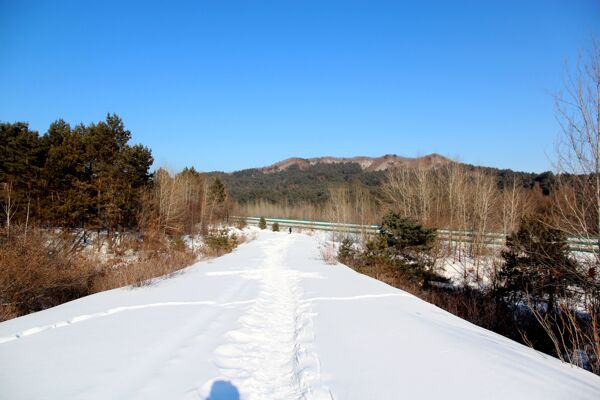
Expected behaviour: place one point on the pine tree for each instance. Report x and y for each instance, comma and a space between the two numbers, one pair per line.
67, 177
537, 265
85, 176
346, 251
262, 223
22, 156
217, 197
409, 244
116, 170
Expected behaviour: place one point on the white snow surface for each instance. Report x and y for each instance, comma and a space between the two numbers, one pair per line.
270, 321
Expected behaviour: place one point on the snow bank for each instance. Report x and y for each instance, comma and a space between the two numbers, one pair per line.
270, 321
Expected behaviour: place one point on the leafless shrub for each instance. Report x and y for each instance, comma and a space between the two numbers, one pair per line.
328, 253
157, 257
349, 204
302, 210
574, 335
38, 271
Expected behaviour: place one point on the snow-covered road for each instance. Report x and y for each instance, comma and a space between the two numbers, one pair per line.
270, 321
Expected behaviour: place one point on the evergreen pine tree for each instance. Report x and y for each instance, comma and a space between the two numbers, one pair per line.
22, 156
346, 251
262, 223
409, 244
217, 197
537, 263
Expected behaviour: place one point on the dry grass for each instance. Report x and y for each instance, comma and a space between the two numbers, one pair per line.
472, 305
156, 256
328, 254
142, 272
44, 268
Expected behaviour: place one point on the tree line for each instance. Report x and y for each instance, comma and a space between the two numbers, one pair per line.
295, 186
82, 212
85, 176
92, 177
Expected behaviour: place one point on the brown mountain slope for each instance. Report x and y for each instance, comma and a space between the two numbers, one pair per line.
366, 163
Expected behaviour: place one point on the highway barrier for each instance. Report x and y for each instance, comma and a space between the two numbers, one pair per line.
576, 244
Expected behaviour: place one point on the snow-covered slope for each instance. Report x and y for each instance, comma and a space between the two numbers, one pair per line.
270, 321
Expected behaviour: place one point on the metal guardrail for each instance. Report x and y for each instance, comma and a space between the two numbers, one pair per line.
576, 244
316, 225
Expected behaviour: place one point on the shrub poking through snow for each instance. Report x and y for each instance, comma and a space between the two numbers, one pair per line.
39, 271
346, 251
402, 247
410, 244
328, 254
262, 223
219, 242
241, 223
275, 227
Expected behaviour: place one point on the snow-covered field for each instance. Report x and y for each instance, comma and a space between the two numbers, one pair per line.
270, 321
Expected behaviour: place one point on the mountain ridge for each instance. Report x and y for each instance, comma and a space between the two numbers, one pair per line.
366, 163
298, 179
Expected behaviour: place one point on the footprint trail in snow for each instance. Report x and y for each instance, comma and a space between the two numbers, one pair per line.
269, 355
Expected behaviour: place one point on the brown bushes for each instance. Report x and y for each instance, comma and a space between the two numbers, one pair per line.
328, 254
157, 257
566, 332
42, 269
38, 271
478, 307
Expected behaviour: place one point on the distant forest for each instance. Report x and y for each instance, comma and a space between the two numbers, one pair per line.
311, 185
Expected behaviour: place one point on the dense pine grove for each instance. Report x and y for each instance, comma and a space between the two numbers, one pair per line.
82, 176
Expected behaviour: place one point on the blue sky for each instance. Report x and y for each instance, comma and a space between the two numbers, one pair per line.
226, 85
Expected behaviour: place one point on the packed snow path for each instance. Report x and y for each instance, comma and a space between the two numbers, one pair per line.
270, 321
270, 352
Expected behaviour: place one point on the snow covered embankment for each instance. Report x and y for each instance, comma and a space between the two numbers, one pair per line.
270, 321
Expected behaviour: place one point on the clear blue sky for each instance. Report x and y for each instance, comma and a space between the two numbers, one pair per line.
224, 85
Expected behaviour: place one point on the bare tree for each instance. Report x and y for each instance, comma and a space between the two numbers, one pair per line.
455, 200
411, 191
399, 190
339, 207
176, 204
512, 205
363, 208
9, 205
577, 196
484, 192
578, 163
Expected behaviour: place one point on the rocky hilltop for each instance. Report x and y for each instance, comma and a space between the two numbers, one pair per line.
366, 163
